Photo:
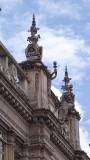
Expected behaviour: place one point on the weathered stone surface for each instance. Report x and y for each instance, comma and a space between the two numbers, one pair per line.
34, 124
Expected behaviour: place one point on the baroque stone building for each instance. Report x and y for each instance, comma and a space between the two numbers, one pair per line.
34, 124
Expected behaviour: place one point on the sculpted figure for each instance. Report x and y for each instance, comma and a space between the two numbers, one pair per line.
65, 130
14, 73
63, 111
66, 104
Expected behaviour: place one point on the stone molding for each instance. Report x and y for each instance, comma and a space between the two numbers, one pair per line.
26, 65
73, 112
56, 136
68, 151
81, 155
13, 100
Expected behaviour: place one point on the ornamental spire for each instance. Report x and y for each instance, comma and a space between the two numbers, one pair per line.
33, 29
67, 87
33, 51
33, 21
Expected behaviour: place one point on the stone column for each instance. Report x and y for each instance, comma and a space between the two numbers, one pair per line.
10, 152
10, 145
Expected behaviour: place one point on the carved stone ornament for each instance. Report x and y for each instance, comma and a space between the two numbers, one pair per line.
33, 52
63, 111
68, 97
65, 130
14, 75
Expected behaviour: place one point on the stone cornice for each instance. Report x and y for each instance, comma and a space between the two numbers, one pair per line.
75, 113
34, 65
42, 146
14, 98
79, 154
46, 117
11, 131
63, 146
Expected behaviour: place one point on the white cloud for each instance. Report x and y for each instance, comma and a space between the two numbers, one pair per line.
86, 3
18, 44
60, 8
56, 91
67, 50
60, 44
85, 140
10, 1
88, 121
87, 28
9, 5
79, 109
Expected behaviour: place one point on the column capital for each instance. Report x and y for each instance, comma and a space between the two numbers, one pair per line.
11, 136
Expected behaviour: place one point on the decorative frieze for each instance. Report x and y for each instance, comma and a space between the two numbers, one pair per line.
15, 103
50, 124
56, 136
10, 72
67, 151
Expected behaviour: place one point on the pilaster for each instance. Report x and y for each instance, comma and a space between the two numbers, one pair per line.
10, 145
10, 152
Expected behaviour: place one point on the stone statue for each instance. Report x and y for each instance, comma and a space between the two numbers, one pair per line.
14, 75
65, 130
63, 111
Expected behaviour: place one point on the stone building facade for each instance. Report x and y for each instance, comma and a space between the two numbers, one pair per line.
34, 124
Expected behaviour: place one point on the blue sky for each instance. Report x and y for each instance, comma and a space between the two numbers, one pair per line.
65, 37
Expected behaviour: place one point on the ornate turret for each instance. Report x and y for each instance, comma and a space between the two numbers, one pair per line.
39, 77
67, 99
33, 51
68, 116
67, 87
